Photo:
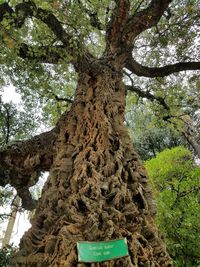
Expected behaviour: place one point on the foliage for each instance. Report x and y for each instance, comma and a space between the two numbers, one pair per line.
6, 193
37, 55
175, 180
41, 85
15, 124
149, 135
6, 254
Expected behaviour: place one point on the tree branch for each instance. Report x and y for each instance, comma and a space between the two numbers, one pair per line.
118, 21
144, 19
188, 132
145, 94
148, 95
17, 16
7, 118
22, 162
145, 71
179, 195
27, 9
192, 190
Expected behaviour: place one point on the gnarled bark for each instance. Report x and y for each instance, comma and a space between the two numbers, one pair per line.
97, 188
190, 134
21, 164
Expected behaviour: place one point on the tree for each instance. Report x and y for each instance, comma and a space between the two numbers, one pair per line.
11, 222
150, 135
15, 124
97, 188
175, 179
174, 104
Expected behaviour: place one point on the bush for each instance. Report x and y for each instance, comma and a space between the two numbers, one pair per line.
6, 254
175, 180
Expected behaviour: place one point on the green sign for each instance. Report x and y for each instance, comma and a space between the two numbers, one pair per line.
102, 251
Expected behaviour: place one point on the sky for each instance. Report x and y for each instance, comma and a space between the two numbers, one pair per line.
9, 94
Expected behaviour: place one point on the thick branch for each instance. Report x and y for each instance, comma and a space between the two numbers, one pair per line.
144, 19
22, 162
29, 9
116, 26
141, 70
54, 24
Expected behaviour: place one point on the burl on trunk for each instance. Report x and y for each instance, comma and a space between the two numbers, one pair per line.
97, 188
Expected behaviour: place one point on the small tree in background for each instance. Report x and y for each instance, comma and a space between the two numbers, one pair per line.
175, 179
150, 135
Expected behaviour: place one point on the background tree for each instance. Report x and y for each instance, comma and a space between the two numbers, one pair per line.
174, 103
175, 179
11, 222
149, 133
97, 187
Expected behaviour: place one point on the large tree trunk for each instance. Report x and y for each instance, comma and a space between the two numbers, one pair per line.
97, 188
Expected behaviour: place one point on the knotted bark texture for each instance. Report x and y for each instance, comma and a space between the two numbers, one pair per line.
97, 188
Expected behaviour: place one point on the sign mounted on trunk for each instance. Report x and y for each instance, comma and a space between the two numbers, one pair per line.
102, 251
